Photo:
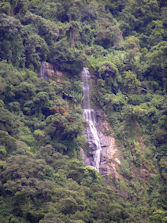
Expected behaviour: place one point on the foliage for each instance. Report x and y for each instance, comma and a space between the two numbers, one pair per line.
66, 59
123, 43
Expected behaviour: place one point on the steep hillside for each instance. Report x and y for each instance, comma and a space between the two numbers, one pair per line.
44, 45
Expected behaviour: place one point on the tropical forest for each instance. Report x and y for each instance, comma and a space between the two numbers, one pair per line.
83, 111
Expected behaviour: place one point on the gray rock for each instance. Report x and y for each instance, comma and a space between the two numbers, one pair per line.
109, 154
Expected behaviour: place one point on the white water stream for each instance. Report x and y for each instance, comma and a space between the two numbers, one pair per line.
90, 117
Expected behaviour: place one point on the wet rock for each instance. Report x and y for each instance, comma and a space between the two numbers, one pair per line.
85, 158
103, 153
47, 71
109, 158
110, 152
118, 37
59, 76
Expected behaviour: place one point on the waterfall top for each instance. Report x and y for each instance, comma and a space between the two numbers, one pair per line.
86, 88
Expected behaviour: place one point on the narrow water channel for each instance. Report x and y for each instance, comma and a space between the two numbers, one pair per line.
90, 117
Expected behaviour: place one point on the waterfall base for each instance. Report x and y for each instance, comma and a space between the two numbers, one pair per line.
109, 154
93, 137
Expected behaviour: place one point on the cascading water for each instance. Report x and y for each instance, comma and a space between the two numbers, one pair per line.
90, 117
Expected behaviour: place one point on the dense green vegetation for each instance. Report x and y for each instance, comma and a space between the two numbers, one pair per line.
124, 45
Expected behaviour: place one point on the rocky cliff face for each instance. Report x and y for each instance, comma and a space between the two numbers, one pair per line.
109, 158
109, 155
102, 153
48, 73
110, 152
118, 37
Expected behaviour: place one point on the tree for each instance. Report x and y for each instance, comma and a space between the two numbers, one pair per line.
7, 122
163, 167
68, 10
36, 51
156, 64
20, 172
19, 6
41, 101
67, 59
46, 29
137, 14
157, 32
5, 7
72, 33
130, 82
158, 216
132, 52
68, 205
11, 45
108, 71
24, 91
50, 218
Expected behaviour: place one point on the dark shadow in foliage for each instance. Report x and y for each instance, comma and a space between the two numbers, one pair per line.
67, 59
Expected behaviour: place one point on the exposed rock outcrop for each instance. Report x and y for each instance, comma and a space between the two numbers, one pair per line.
48, 73
118, 37
102, 153
110, 153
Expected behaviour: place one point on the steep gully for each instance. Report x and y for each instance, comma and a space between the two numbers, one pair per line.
90, 117
103, 153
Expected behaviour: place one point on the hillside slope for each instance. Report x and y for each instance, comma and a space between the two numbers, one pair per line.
124, 46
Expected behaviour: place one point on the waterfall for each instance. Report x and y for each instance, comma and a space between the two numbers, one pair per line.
90, 117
